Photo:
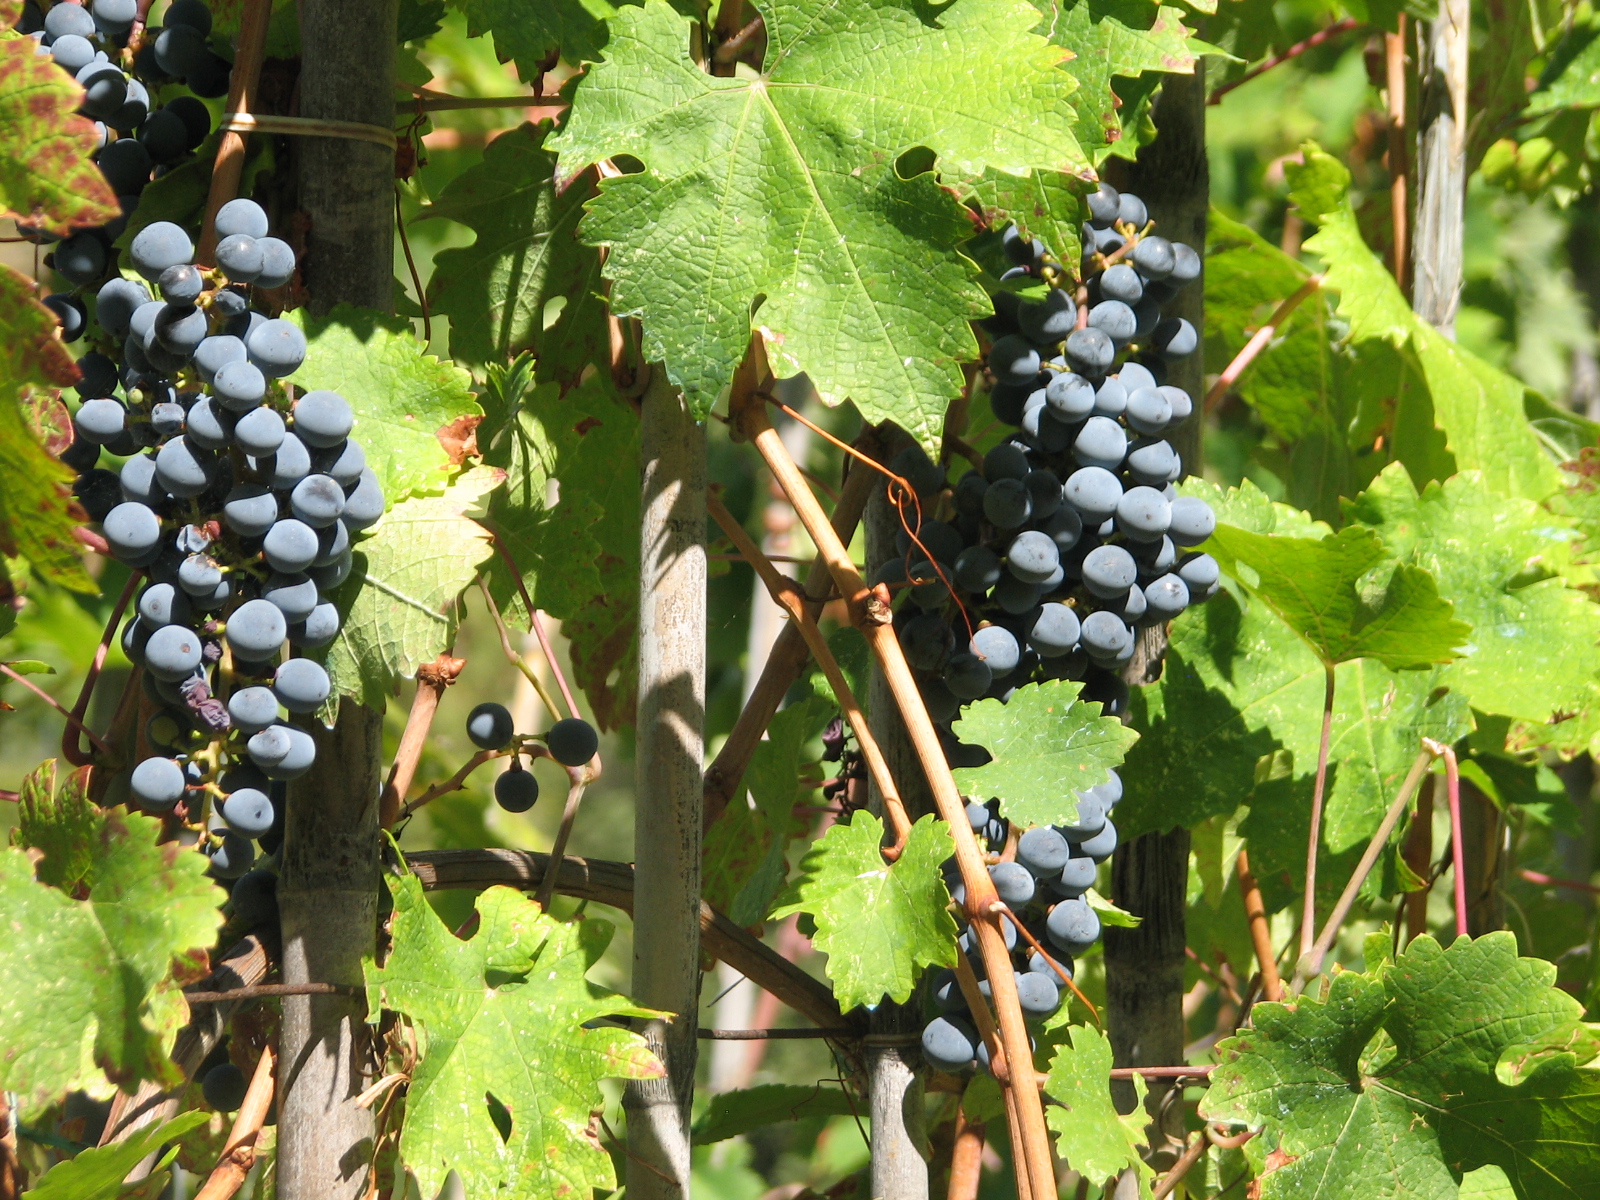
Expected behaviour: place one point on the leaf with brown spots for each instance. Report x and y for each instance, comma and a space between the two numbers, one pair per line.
46, 174
91, 993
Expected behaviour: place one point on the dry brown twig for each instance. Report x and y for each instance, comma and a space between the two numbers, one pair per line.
239, 1155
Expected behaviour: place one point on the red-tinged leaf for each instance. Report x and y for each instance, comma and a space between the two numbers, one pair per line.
46, 174
32, 348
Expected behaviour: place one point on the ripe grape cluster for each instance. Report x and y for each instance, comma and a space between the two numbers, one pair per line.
1044, 885
136, 138
572, 742
237, 500
1046, 562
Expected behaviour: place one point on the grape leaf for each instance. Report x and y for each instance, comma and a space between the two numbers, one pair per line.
504, 1016
401, 396
139, 931
1404, 1078
62, 824
46, 174
37, 512
1239, 687
532, 35
1533, 648
1091, 1136
1047, 746
97, 1173
1571, 77
745, 853
1479, 409
1344, 597
732, 1113
398, 608
774, 201
578, 558
1247, 507
1111, 39
1047, 204
879, 923
527, 283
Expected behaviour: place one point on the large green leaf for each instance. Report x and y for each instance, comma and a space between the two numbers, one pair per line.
879, 923
398, 608
1047, 745
1238, 688
774, 201
1344, 596
732, 1113
402, 397
133, 930
46, 175
1571, 77
37, 513
1535, 645
526, 283
578, 557
97, 1173
746, 850
504, 1019
1479, 409
1407, 1077
1091, 1136
533, 35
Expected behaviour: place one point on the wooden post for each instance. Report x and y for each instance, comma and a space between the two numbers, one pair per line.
328, 889
1145, 966
669, 774
1441, 166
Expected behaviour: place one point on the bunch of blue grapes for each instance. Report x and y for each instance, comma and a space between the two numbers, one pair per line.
1045, 563
572, 742
237, 498
137, 138
1044, 884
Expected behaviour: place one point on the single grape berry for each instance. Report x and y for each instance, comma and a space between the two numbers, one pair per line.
516, 790
572, 741
224, 1087
489, 726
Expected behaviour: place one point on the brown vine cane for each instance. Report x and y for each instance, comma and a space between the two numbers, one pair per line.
871, 615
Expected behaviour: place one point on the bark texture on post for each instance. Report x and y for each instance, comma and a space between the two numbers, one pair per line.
1441, 166
669, 769
329, 876
895, 1091
328, 906
1483, 841
1145, 966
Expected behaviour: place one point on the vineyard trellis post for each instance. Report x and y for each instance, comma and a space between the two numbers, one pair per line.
327, 896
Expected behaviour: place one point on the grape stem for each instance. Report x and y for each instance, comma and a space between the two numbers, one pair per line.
581, 777
1255, 911
71, 748
515, 659
1458, 854
1027, 936
1537, 877
246, 77
872, 616
239, 1154
536, 624
1311, 963
457, 781
58, 706
1257, 343
786, 594
1308, 910
432, 679
1295, 51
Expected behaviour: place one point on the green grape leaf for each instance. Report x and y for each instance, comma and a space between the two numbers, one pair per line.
402, 398
1397, 1083
732, 1113
527, 282
579, 557
97, 1173
1047, 204
1111, 39
46, 174
1533, 651
1571, 77
774, 201
1091, 1136
503, 1015
1344, 597
37, 512
1047, 745
880, 924
1479, 409
532, 36
134, 930
1247, 507
745, 853
419, 20
62, 824
398, 608
1240, 690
